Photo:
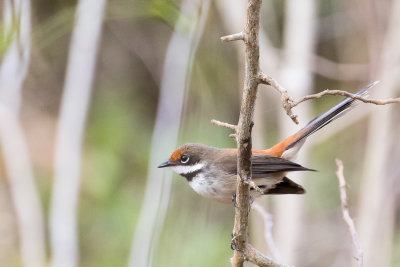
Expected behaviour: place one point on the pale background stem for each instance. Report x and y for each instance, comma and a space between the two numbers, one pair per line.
299, 41
174, 83
70, 133
23, 190
376, 212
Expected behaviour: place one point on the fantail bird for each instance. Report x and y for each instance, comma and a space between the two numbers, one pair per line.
212, 171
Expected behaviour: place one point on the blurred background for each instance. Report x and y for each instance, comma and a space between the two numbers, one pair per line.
95, 94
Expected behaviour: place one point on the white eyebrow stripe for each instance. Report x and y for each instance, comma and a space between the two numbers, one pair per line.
188, 169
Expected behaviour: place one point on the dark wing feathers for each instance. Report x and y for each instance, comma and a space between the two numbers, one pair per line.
266, 164
262, 164
286, 186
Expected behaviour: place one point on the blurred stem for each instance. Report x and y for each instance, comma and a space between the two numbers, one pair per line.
295, 74
74, 106
377, 209
14, 66
174, 82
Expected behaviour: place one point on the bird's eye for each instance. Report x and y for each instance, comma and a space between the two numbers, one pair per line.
184, 159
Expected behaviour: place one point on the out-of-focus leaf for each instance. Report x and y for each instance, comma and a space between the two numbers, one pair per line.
7, 35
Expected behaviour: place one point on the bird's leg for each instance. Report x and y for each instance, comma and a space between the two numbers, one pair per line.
234, 200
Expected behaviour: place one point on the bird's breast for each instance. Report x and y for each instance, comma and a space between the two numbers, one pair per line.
219, 188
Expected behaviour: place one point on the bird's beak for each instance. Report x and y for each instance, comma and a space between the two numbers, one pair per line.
165, 164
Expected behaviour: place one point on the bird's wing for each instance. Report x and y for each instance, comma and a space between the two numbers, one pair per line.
263, 165
285, 186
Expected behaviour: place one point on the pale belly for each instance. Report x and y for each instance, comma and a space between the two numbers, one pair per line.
223, 188
214, 188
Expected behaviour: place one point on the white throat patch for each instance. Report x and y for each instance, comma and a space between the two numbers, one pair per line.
188, 169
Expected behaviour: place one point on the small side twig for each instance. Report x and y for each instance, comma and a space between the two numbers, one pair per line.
254, 256
345, 212
234, 136
255, 187
224, 124
344, 93
233, 37
287, 101
267, 218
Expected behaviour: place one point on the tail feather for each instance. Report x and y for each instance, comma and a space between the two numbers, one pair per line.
337, 111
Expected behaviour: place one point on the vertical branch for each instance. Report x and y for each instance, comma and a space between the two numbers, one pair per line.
233, 19
176, 73
24, 193
74, 106
245, 125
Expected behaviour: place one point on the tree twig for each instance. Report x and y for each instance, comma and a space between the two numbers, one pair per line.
286, 100
233, 37
256, 257
245, 125
224, 124
345, 212
254, 186
288, 103
347, 94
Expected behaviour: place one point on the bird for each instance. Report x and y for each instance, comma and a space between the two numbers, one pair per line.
212, 172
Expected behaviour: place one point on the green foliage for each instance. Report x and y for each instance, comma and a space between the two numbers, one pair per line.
8, 33
60, 24
115, 165
396, 247
53, 28
164, 10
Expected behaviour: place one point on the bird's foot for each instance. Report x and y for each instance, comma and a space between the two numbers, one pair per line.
233, 242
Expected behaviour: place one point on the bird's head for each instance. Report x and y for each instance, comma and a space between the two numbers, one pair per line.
189, 158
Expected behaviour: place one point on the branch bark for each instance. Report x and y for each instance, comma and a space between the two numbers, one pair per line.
244, 251
245, 125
